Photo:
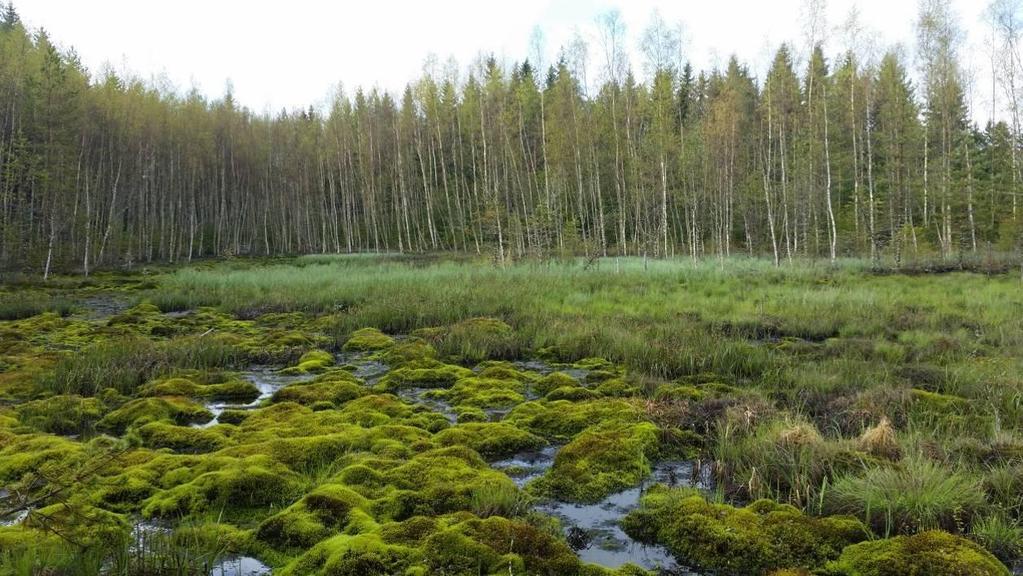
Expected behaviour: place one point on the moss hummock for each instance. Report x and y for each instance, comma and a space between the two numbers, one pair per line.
600, 461
757, 539
931, 552
368, 340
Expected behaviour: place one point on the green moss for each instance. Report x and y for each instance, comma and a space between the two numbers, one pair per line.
540, 551
677, 393
368, 340
561, 420
375, 409
235, 417
144, 313
757, 539
932, 552
336, 387
312, 362
572, 393
176, 409
470, 414
352, 555
18, 540
409, 351
63, 415
235, 485
600, 461
236, 390
184, 439
593, 363
486, 392
318, 515
424, 374
617, 388
431, 483
504, 370
84, 524
52, 456
553, 381
409, 532
126, 491
491, 439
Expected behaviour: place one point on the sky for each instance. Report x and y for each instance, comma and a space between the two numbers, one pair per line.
290, 54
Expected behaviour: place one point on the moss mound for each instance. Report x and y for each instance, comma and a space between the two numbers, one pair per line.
336, 388
232, 485
931, 552
229, 389
757, 539
184, 439
424, 374
312, 362
490, 439
368, 340
315, 517
176, 409
63, 414
602, 460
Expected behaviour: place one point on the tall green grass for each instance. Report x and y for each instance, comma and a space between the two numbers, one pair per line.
19, 306
913, 496
666, 318
127, 363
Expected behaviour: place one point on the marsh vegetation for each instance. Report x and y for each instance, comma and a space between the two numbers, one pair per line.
396, 415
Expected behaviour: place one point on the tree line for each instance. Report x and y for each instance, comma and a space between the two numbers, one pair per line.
820, 158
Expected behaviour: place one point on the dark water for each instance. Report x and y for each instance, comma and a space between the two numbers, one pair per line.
594, 530
423, 397
268, 380
103, 306
366, 369
240, 566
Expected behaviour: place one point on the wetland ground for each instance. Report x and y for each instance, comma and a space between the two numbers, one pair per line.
367, 415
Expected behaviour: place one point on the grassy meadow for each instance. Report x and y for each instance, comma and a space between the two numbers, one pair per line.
351, 415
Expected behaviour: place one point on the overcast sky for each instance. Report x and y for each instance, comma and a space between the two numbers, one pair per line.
292, 53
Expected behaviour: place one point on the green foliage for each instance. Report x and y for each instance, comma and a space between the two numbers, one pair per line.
424, 374
601, 460
314, 361
185, 439
19, 306
1000, 536
368, 340
335, 387
757, 539
925, 553
175, 409
912, 496
235, 486
62, 415
227, 389
490, 439
126, 364
783, 392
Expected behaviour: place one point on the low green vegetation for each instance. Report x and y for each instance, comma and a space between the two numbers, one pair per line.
372, 416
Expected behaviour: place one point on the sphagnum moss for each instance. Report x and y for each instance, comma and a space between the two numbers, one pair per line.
779, 375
